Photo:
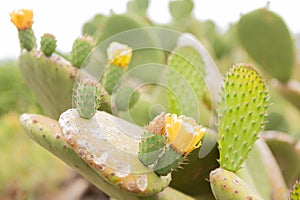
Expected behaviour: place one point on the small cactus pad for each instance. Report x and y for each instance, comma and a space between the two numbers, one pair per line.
241, 113
151, 147
48, 44
227, 185
181, 8
295, 193
87, 99
81, 48
185, 79
126, 97
111, 77
266, 38
27, 39
168, 162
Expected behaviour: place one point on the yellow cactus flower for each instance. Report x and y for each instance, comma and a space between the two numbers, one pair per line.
183, 133
22, 19
119, 54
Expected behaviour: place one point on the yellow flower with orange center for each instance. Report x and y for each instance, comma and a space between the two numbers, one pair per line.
22, 19
183, 133
119, 54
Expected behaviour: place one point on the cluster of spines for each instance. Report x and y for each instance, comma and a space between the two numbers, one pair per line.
87, 99
48, 44
81, 48
241, 115
295, 193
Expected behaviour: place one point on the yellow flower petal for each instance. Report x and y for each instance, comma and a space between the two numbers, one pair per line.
119, 54
183, 133
22, 19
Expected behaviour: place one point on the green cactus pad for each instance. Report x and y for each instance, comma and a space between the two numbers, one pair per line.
46, 132
185, 80
125, 98
27, 39
169, 161
111, 77
87, 99
241, 113
81, 48
295, 193
138, 7
181, 8
48, 44
266, 38
227, 185
151, 147
51, 79
110, 146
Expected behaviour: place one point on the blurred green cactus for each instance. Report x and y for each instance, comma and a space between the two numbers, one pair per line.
266, 38
81, 48
48, 44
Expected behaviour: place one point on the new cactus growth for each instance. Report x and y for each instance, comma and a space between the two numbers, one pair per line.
227, 185
266, 38
81, 48
87, 99
48, 44
23, 20
242, 113
175, 139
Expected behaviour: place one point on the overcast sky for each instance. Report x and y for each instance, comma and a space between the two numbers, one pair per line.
64, 18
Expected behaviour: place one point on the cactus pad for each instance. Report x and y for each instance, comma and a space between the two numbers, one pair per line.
111, 77
227, 185
242, 113
181, 8
87, 99
81, 48
185, 79
126, 97
268, 41
151, 147
48, 44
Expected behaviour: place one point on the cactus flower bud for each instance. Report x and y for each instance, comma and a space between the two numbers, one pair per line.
119, 54
183, 133
22, 19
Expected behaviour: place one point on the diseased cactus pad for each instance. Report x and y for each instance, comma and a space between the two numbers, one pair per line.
111, 150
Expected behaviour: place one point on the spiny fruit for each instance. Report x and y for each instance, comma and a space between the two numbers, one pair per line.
87, 99
242, 113
266, 38
227, 185
48, 44
81, 48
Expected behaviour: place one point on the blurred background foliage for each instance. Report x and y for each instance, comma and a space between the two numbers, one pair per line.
23, 162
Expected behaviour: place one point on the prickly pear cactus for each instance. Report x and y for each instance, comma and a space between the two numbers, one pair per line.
87, 99
227, 185
185, 80
125, 97
111, 77
242, 113
48, 44
266, 38
180, 8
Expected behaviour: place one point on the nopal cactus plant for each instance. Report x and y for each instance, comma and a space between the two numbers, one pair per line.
130, 162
